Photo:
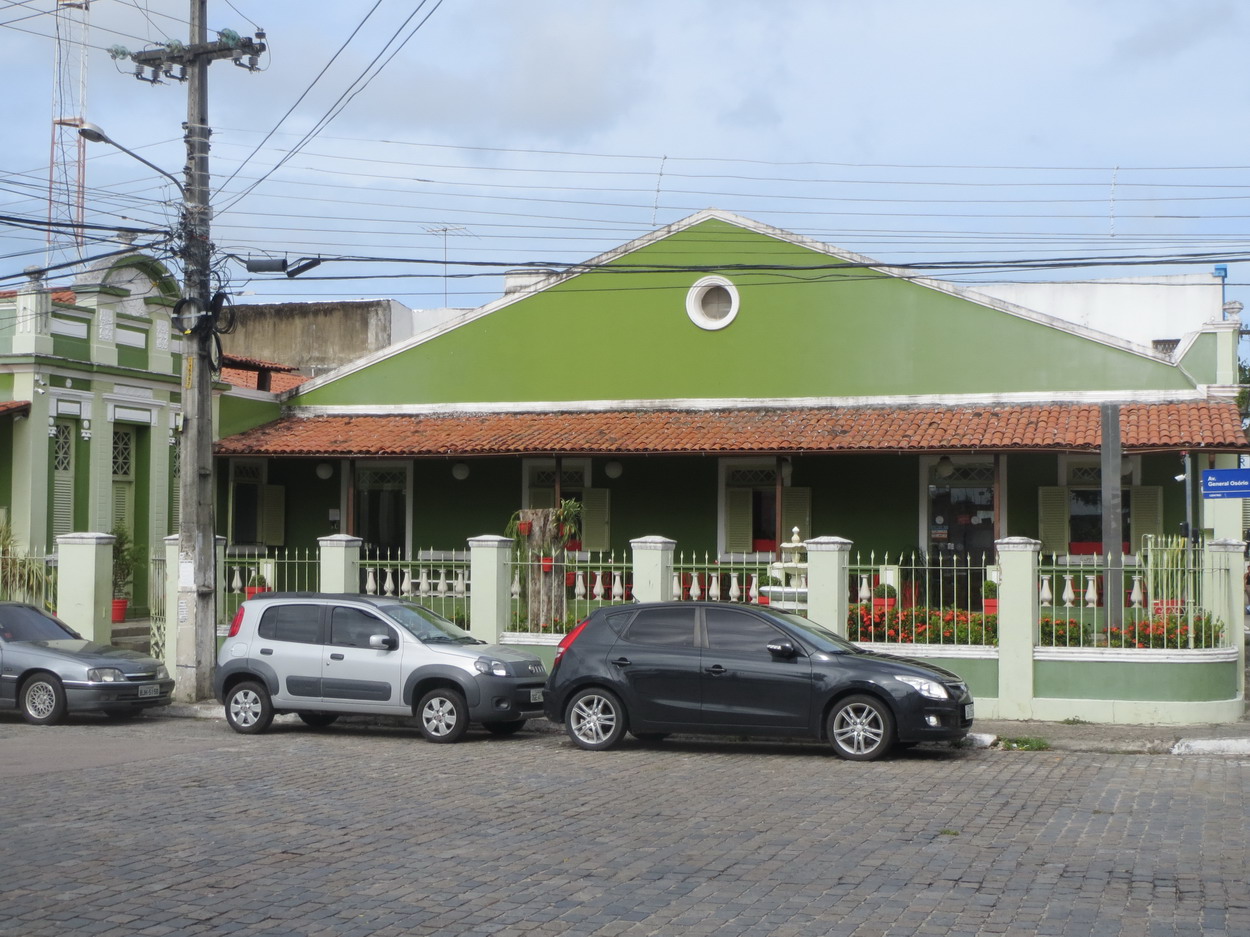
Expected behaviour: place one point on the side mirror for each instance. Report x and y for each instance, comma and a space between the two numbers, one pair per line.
782, 649
383, 642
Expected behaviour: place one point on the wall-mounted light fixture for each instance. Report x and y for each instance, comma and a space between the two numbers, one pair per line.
324, 470
460, 471
945, 468
613, 469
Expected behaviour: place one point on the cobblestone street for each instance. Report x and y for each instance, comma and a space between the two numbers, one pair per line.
367, 830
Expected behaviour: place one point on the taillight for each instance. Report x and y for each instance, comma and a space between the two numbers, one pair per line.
237, 623
568, 640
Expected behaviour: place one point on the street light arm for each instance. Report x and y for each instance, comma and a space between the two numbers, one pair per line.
93, 134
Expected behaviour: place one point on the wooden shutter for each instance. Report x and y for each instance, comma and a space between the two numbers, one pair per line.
738, 520
595, 519
796, 511
1052, 519
63, 480
273, 515
1147, 513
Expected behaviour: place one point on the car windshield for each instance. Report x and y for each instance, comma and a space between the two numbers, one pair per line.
428, 626
819, 635
23, 623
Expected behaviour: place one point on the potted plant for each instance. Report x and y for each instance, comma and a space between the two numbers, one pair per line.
989, 597
884, 597
257, 583
126, 559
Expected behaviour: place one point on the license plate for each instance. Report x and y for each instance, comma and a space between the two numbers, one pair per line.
968, 711
151, 689
536, 696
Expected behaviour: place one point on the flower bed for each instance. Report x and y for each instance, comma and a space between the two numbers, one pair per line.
1169, 631
921, 626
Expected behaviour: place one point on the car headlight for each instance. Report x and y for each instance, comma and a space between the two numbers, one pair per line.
497, 667
105, 675
161, 672
928, 688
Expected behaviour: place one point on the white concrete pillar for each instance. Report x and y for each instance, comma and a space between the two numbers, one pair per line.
653, 569
1225, 564
339, 556
170, 655
490, 588
84, 584
1017, 625
828, 582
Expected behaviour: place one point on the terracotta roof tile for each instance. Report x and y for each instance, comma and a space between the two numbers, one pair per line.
245, 363
14, 407
1069, 427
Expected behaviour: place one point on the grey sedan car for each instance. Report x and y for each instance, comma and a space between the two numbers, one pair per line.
47, 669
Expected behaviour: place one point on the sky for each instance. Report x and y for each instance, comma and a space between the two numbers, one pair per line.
449, 140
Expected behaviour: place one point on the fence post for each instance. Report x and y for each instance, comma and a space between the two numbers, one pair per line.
653, 569
1017, 625
170, 656
490, 589
339, 559
828, 585
84, 584
1223, 594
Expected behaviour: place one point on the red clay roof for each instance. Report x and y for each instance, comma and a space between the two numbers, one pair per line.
65, 297
1068, 427
14, 407
244, 363
278, 381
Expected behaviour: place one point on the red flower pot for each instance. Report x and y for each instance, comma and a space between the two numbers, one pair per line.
119, 609
989, 606
252, 591
524, 527
881, 605
548, 564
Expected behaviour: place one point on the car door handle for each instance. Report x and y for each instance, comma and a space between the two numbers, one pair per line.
622, 662
266, 651
716, 670
336, 657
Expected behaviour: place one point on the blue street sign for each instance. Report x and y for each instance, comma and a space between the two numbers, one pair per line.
1226, 483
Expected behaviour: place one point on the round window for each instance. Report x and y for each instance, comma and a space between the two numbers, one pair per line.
712, 303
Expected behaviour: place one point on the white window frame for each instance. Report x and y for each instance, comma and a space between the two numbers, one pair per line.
694, 303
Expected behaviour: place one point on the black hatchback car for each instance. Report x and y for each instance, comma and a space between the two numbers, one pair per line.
656, 668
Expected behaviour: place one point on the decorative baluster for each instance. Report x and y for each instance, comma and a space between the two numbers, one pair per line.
696, 591
1136, 597
1068, 594
677, 585
618, 587
371, 581
442, 582
713, 587
516, 584
735, 591
579, 587
460, 588
751, 580
597, 590
1091, 591
1044, 596
388, 582
865, 593
423, 582
405, 582
236, 583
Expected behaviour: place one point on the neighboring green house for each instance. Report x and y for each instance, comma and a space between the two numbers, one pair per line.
719, 382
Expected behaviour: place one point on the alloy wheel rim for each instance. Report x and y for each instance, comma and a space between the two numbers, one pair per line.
859, 729
593, 719
244, 707
439, 716
40, 700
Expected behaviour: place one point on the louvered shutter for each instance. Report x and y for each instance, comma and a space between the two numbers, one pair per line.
738, 520
1052, 514
796, 511
1147, 513
595, 519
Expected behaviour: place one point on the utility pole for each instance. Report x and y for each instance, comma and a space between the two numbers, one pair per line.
196, 614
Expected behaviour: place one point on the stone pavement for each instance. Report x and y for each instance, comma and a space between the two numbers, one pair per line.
364, 830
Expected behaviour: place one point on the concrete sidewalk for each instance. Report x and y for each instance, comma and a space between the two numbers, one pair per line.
1233, 739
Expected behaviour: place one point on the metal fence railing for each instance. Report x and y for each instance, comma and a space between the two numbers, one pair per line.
551, 594
26, 577
278, 569
708, 578
157, 587
437, 579
924, 599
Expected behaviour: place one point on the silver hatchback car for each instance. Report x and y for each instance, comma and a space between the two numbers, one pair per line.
319, 656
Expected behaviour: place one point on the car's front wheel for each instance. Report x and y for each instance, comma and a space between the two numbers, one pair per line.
43, 700
248, 708
443, 715
861, 728
318, 720
595, 719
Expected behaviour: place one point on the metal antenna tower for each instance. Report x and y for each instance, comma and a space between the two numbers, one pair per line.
66, 164
444, 230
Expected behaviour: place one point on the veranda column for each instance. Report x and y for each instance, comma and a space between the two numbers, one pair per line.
828, 582
653, 568
1017, 625
1224, 572
339, 561
84, 584
490, 587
